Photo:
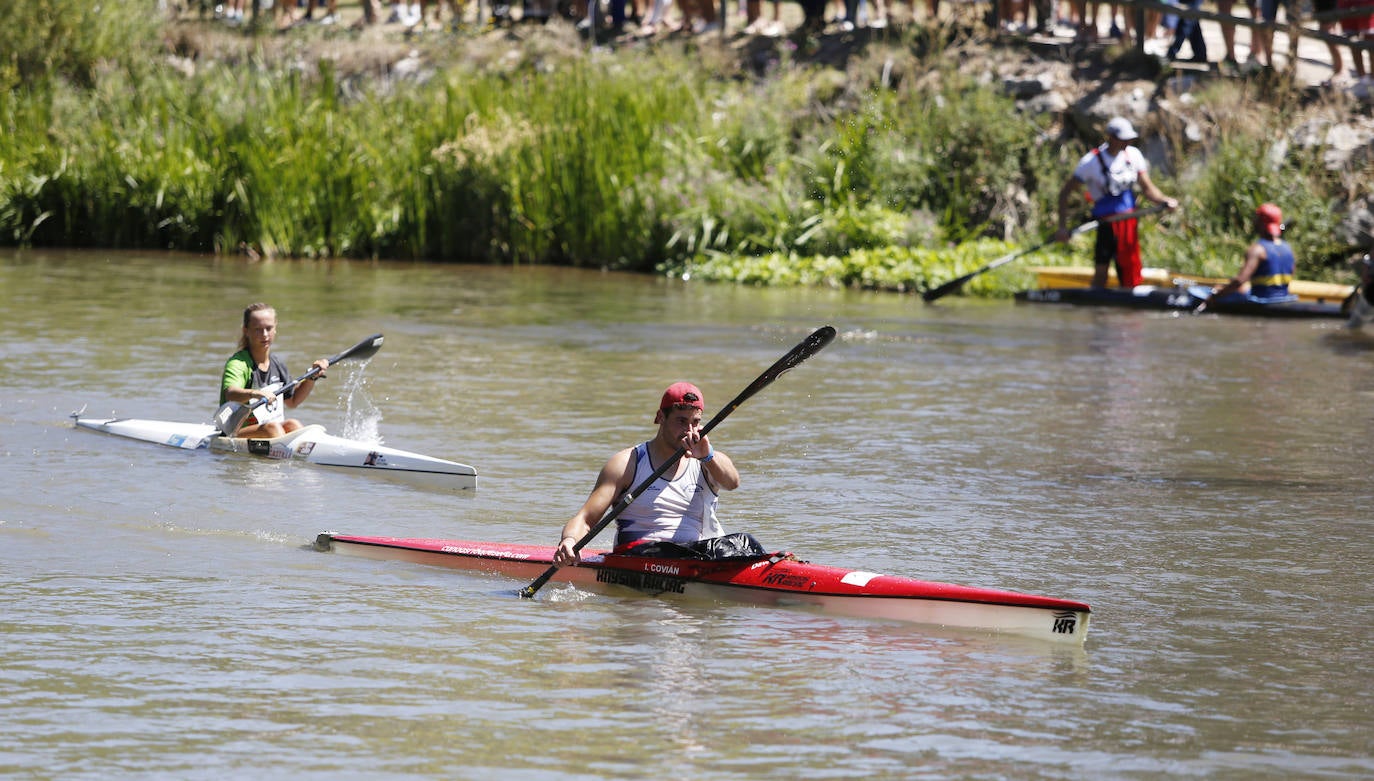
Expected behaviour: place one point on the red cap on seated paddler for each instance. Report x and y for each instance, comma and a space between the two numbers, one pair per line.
681, 394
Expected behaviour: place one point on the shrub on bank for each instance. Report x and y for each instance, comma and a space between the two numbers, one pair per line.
71, 39
586, 162
644, 159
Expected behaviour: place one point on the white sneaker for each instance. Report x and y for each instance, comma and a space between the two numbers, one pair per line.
329, 19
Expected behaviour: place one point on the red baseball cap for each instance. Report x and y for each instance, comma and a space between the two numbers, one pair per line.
684, 393
1270, 219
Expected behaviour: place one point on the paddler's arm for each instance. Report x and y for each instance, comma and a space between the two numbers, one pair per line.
613, 481
303, 389
1149, 190
1253, 256
235, 381
720, 470
246, 396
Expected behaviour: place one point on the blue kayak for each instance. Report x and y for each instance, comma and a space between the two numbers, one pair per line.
1180, 298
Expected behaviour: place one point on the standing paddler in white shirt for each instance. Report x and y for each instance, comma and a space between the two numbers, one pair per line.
1110, 173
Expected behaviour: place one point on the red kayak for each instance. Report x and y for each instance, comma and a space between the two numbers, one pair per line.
778, 579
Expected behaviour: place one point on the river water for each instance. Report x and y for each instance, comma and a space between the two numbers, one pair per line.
1203, 482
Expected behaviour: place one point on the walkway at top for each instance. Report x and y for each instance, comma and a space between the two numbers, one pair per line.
1313, 63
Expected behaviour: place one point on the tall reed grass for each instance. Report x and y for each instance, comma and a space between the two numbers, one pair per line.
657, 159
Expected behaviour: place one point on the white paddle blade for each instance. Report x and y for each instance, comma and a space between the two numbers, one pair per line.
229, 417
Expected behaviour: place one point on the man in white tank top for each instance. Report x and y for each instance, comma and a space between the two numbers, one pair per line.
680, 506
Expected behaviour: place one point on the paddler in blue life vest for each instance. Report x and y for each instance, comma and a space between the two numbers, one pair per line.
680, 506
1110, 173
1268, 266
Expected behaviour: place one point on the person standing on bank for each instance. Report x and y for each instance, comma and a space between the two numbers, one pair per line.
1189, 31
255, 373
1269, 264
680, 506
1110, 173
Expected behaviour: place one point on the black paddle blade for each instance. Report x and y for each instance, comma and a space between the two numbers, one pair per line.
808, 347
945, 289
362, 350
805, 349
529, 591
958, 282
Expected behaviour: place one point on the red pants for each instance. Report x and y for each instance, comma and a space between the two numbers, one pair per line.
1120, 241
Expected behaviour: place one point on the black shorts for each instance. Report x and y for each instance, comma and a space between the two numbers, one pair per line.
1104, 250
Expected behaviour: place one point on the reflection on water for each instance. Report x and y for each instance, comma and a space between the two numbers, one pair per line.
1201, 481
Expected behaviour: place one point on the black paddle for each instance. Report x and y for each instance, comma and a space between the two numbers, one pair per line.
955, 284
807, 348
230, 416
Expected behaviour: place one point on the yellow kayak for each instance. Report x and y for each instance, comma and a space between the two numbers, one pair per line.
1081, 276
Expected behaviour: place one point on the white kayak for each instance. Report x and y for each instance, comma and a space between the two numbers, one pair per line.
308, 443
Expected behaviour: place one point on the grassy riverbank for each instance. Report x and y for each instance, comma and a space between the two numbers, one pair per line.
748, 163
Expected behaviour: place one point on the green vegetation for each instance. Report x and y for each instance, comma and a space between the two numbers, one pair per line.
42, 40
671, 158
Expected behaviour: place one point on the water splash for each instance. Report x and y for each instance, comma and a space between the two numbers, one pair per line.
362, 419
568, 593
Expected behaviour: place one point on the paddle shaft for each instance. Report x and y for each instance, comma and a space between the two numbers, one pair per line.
807, 348
955, 284
364, 349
